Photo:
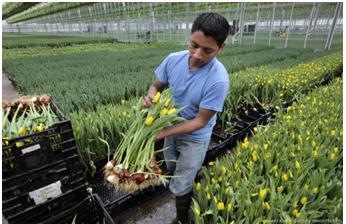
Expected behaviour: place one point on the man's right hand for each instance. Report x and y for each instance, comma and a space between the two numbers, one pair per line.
147, 102
156, 86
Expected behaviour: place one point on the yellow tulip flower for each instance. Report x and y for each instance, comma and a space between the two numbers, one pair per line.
304, 200
220, 206
297, 165
280, 189
196, 211
223, 170
22, 131
163, 112
149, 121
266, 205
167, 102
262, 193
295, 213
40, 127
156, 97
284, 177
315, 190
198, 186
171, 111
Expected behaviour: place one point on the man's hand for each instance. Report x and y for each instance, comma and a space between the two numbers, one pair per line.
154, 88
160, 135
147, 102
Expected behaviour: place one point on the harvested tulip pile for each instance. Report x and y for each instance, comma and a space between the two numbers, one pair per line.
26, 115
134, 165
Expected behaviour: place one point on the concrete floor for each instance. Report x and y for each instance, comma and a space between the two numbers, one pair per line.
154, 209
9, 93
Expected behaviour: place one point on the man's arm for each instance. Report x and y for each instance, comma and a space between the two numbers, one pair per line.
202, 119
154, 88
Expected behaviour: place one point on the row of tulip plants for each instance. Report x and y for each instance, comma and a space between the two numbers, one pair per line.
88, 126
38, 45
289, 172
36, 40
41, 51
270, 87
109, 76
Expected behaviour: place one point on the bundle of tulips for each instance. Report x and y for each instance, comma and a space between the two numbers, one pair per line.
134, 165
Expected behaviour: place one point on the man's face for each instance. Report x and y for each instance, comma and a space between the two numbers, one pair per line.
202, 49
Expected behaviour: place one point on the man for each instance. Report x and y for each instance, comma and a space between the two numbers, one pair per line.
198, 82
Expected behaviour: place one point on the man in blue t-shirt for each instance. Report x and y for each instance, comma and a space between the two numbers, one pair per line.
199, 83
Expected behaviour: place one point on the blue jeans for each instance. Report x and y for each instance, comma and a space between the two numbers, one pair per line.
189, 156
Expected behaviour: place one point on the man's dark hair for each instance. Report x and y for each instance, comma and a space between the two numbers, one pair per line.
213, 25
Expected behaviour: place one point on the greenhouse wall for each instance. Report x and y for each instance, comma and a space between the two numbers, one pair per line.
315, 25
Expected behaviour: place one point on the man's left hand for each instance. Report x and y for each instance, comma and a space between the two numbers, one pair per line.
159, 135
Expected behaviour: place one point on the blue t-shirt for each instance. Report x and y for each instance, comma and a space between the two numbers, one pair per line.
204, 88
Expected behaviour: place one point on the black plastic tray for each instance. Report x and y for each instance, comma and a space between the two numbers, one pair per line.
91, 210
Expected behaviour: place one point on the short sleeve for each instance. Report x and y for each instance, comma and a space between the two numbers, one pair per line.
215, 96
161, 71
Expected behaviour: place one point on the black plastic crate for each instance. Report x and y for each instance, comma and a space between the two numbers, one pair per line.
114, 200
36, 150
49, 208
91, 210
21, 193
217, 146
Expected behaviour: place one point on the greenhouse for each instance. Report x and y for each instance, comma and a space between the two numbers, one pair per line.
172, 112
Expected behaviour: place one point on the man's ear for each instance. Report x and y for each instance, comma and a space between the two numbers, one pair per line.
221, 47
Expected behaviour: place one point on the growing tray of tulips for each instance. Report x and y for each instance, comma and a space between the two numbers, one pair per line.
134, 165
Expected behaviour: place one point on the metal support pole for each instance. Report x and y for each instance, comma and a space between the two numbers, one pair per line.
152, 21
282, 18
170, 22
80, 21
228, 19
256, 25
272, 24
127, 25
62, 23
90, 28
308, 31
289, 25
327, 23
157, 22
69, 21
56, 23
187, 9
18, 28
241, 26
332, 28
105, 18
316, 15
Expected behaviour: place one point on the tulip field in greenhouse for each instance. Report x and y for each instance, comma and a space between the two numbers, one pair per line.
288, 168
